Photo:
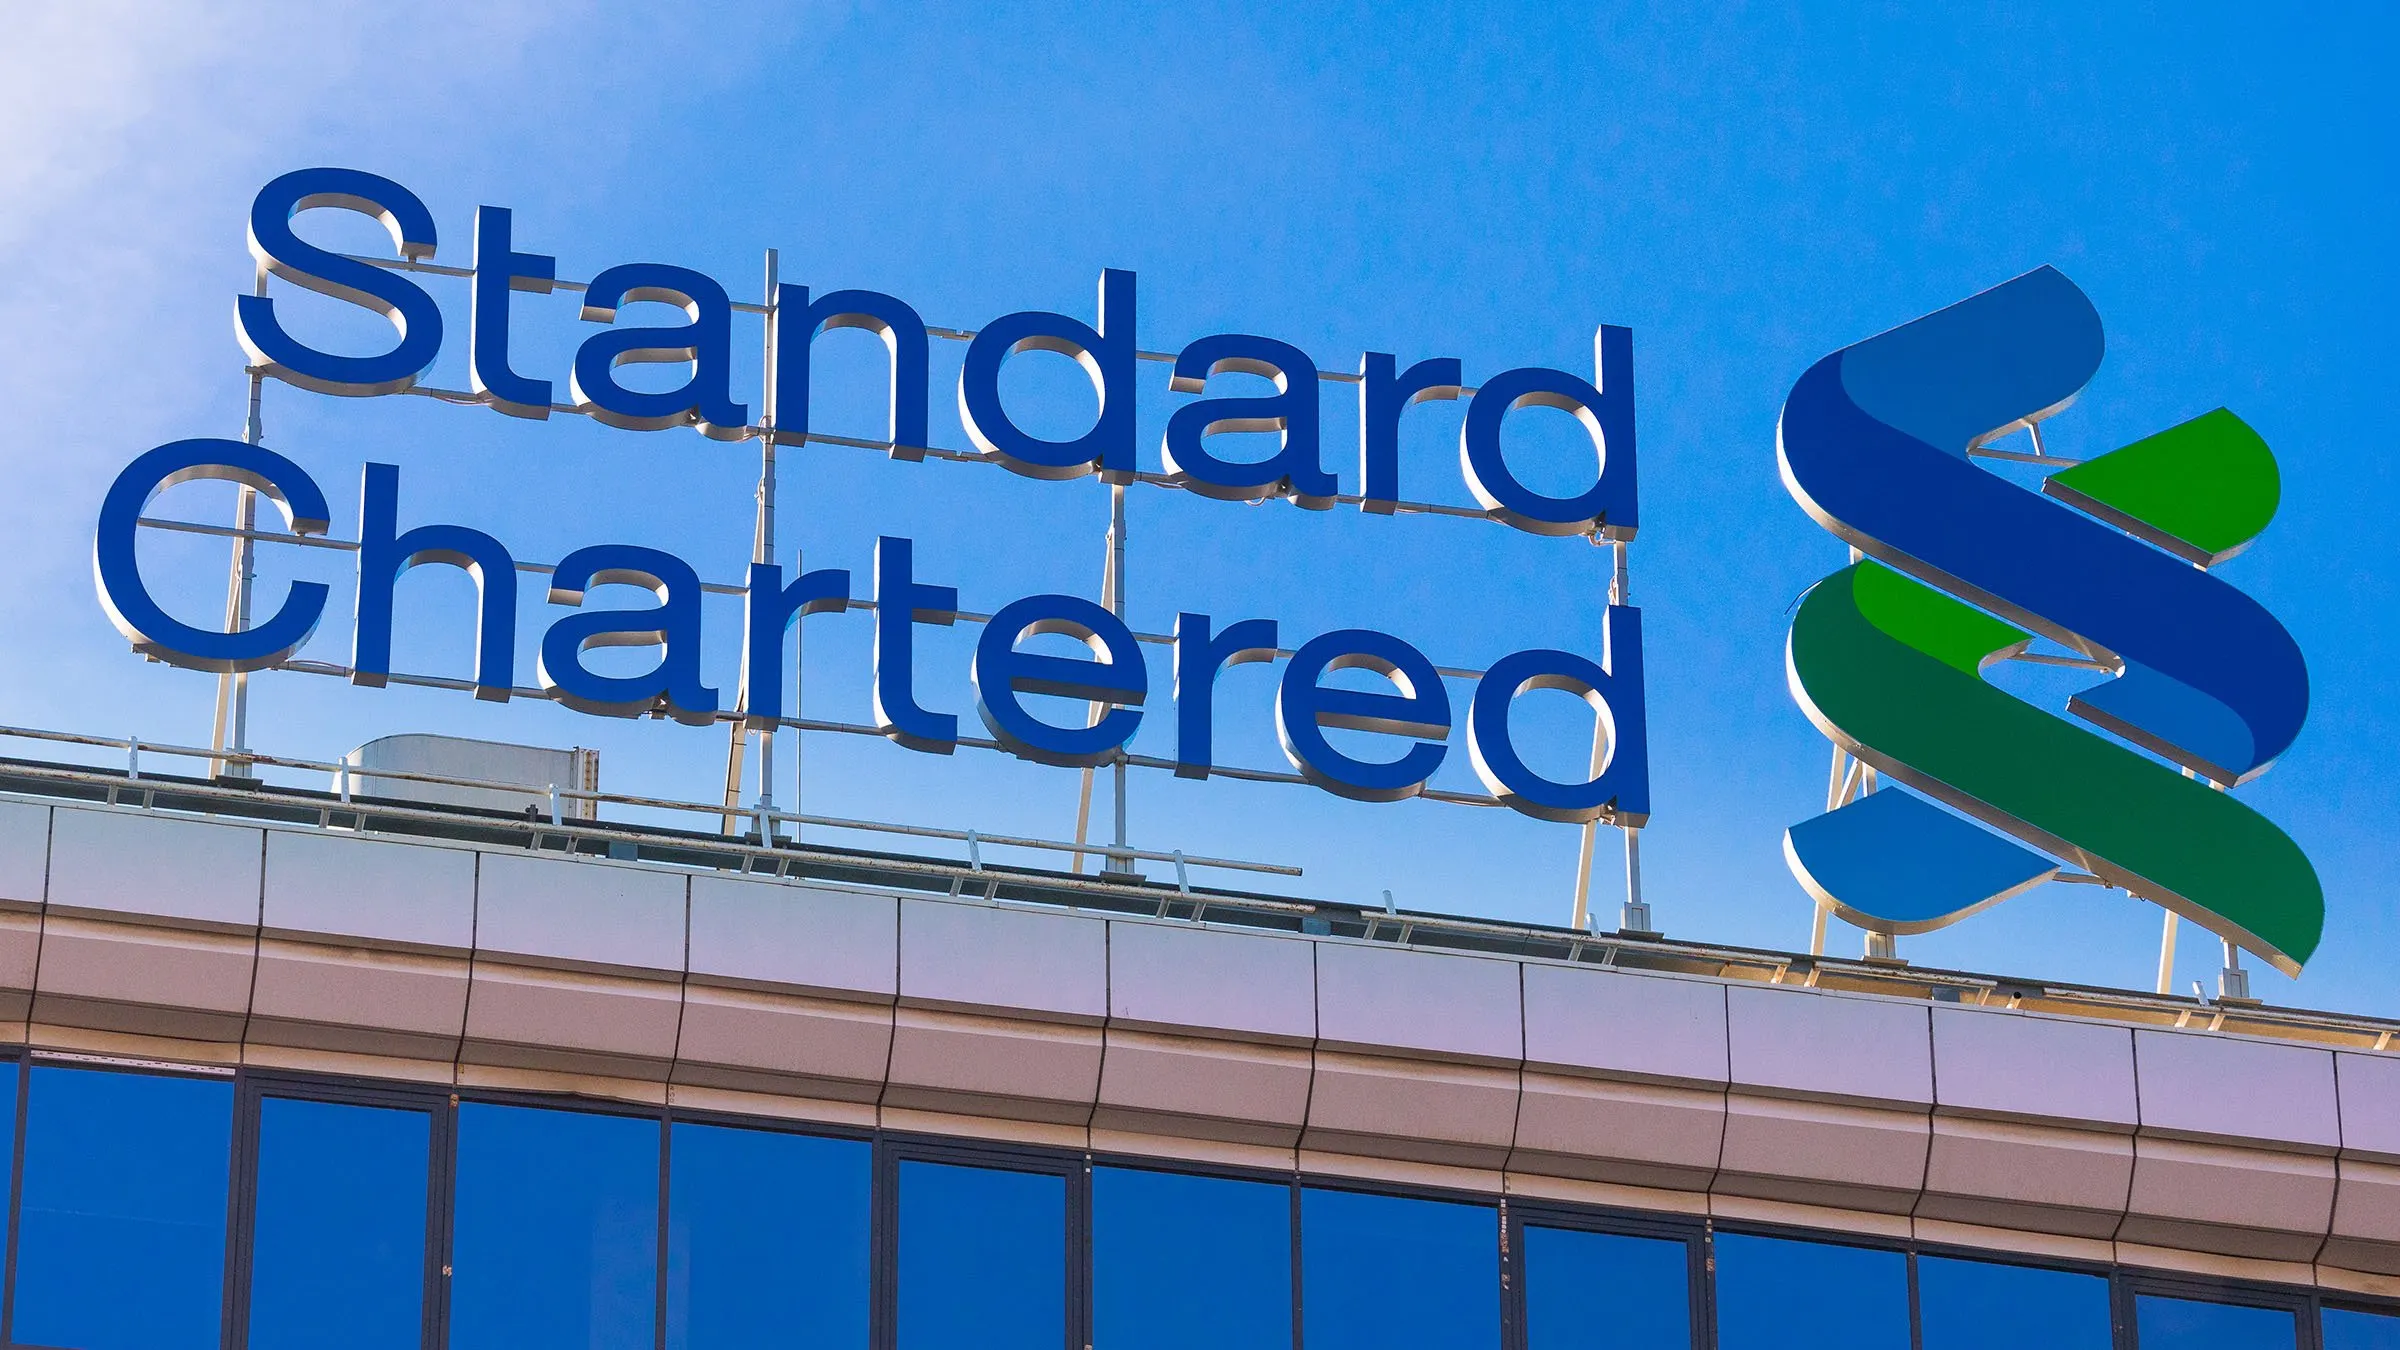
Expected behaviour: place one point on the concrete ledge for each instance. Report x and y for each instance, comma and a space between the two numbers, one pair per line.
571, 1021
1633, 1134
2232, 1201
1823, 1153
1008, 1067
788, 1043
2009, 1174
1456, 1115
185, 983
359, 1000
1232, 1091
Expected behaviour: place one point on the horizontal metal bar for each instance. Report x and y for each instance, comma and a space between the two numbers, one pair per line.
747, 307
2021, 457
2078, 662
782, 436
710, 587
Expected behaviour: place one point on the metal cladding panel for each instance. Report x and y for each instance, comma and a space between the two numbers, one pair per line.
842, 943
1183, 977
1808, 1043
2035, 1068
1640, 1026
966, 955
1419, 1001
24, 851
369, 888
135, 862
2370, 1093
2200, 1084
584, 913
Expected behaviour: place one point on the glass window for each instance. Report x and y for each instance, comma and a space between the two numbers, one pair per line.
1985, 1305
338, 1245
767, 1240
1792, 1295
983, 1258
1190, 1263
2188, 1324
556, 1243
2347, 1329
1381, 1272
121, 1242
1606, 1291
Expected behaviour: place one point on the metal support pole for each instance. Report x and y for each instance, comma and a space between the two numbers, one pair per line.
231, 734
1117, 862
2166, 953
762, 550
1108, 591
2233, 981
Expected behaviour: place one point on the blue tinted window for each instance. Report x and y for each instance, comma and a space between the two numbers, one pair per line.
1789, 1295
338, 1245
1379, 1272
556, 1219
766, 1240
1603, 1291
1983, 1305
1190, 1263
2188, 1324
983, 1259
2348, 1330
121, 1243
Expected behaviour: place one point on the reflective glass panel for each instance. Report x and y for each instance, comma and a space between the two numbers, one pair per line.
1381, 1272
2189, 1324
556, 1222
338, 1245
1792, 1295
121, 1242
1190, 1263
983, 1259
767, 1240
1984, 1305
2348, 1330
1606, 1291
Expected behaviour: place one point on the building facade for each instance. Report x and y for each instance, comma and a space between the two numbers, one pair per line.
295, 1071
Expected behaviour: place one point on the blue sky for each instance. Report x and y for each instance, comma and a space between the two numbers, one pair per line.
1745, 189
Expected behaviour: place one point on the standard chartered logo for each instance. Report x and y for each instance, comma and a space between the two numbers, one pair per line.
1960, 568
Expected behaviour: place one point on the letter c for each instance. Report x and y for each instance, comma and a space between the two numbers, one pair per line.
128, 602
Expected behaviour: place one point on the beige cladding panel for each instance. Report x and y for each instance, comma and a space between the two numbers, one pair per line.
570, 912
24, 852
1397, 999
777, 1042
1182, 977
1029, 962
2008, 1065
161, 867
2238, 1201
2200, 1086
2013, 1174
1617, 1024
773, 935
1631, 1133
572, 1021
1012, 1067
1803, 1043
1823, 1153
372, 890
359, 1000
2370, 1107
185, 983
1242, 1092
1458, 1114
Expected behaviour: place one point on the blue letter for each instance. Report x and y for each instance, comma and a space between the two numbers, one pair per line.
128, 602
1303, 708
384, 554
1198, 658
768, 608
1291, 411
1107, 357
900, 603
499, 269
1619, 787
673, 626
705, 399
1606, 413
797, 323
1001, 672
390, 294
1382, 397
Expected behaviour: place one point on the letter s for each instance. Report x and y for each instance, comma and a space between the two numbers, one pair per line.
280, 251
